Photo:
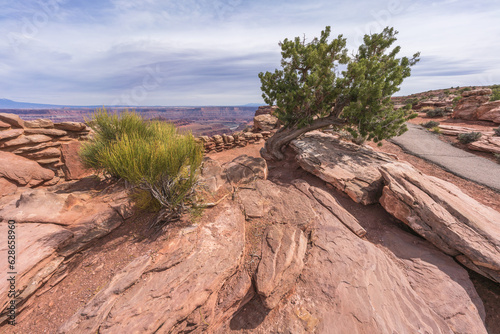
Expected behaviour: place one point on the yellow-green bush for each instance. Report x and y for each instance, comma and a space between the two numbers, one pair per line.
152, 156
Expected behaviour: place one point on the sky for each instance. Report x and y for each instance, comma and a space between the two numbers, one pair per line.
209, 52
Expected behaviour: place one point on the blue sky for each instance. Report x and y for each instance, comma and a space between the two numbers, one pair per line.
209, 52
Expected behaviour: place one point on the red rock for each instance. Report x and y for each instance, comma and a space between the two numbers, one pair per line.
490, 111
35, 147
51, 152
4, 125
283, 251
26, 140
477, 92
39, 123
245, 169
12, 119
48, 132
71, 126
9, 134
467, 106
23, 171
73, 166
265, 122
6, 187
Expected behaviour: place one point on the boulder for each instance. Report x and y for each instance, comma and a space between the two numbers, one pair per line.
73, 167
9, 134
39, 123
441, 213
283, 251
23, 171
71, 126
490, 111
245, 169
265, 110
12, 119
467, 106
265, 122
351, 168
26, 140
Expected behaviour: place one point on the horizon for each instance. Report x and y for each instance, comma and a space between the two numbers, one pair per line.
197, 53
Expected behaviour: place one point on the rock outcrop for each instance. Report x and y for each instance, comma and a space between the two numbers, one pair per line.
265, 122
474, 105
351, 168
490, 111
441, 213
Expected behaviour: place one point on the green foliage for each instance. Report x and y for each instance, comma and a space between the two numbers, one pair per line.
469, 137
455, 101
436, 129
311, 86
495, 96
430, 124
497, 131
149, 155
437, 112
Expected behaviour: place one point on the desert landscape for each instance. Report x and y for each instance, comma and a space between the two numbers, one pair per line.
337, 237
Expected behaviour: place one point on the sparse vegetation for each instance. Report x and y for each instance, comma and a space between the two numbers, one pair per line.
436, 129
160, 163
430, 124
469, 137
495, 96
437, 112
455, 101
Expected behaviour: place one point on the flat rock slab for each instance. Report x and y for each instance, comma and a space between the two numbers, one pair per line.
420, 142
12, 119
351, 168
23, 171
440, 212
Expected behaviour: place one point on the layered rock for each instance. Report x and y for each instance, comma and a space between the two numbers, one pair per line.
351, 168
470, 102
440, 212
490, 111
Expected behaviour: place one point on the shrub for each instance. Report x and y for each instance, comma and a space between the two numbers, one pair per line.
469, 137
151, 156
455, 101
430, 124
497, 131
438, 112
436, 129
495, 96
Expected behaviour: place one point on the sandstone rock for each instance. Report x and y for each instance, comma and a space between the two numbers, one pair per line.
73, 166
245, 169
23, 171
71, 126
51, 152
49, 161
488, 144
440, 212
477, 92
6, 187
47, 132
173, 292
283, 251
36, 147
350, 168
468, 105
265, 122
490, 111
218, 139
12, 119
453, 130
26, 140
211, 175
39, 123
263, 110
9, 134
4, 125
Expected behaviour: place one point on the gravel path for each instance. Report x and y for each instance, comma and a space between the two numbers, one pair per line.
426, 145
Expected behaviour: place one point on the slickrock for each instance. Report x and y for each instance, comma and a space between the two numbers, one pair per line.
245, 169
23, 171
12, 119
265, 122
9, 134
283, 251
178, 291
440, 212
350, 168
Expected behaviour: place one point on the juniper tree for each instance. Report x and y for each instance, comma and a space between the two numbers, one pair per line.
320, 85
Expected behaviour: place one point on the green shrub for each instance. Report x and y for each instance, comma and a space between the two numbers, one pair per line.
430, 124
455, 101
151, 156
436, 129
497, 131
469, 137
438, 112
495, 96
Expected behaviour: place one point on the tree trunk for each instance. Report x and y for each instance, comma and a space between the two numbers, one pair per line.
275, 146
